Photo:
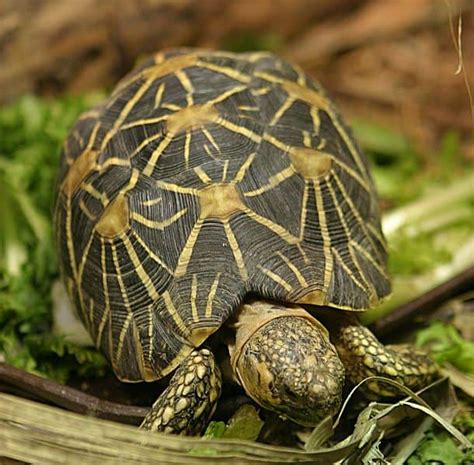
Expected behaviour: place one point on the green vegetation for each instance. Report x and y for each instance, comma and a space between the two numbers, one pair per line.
447, 345
31, 134
428, 211
429, 215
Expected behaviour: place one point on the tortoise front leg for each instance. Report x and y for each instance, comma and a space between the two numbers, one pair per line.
363, 356
189, 401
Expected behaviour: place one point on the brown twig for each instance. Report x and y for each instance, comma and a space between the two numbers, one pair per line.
25, 384
424, 304
69, 398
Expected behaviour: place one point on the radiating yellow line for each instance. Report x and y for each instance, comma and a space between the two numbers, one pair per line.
151, 164
174, 313
138, 268
304, 210
91, 315
247, 108
276, 228
76, 135
157, 224
340, 213
234, 245
210, 297
369, 258
356, 155
152, 202
224, 170
194, 286
113, 161
306, 139
69, 238
125, 112
105, 290
274, 141
355, 212
171, 106
268, 77
167, 186
85, 254
184, 80
348, 234
368, 286
301, 75
278, 279
328, 260
229, 72
100, 196
86, 210
159, 95
115, 355
145, 142
187, 146
273, 182
239, 130
151, 333
202, 175
255, 56
121, 338
261, 91
144, 122
349, 271
294, 269
211, 139
378, 234
188, 87
152, 254
314, 112
281, 111
243, 169
353, 174
188, 248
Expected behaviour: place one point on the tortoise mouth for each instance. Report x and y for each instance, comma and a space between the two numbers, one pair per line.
320, 399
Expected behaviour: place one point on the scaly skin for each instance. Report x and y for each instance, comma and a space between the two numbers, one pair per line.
284, 359
287, 364
363, 356
186, 405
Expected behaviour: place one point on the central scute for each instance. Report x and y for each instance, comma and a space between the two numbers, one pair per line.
219, 201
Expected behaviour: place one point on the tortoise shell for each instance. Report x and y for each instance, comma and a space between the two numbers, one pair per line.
204, 177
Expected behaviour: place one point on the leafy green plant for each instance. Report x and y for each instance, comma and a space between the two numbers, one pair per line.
31, 134
447, 345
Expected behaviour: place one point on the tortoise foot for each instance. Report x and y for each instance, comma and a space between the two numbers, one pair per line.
363, 356
186, 405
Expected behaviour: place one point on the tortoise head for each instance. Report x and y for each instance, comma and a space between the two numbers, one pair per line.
284, 360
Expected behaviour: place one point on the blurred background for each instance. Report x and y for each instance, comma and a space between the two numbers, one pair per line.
401, 72
392, 62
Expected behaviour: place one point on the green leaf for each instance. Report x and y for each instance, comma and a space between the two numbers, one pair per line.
214, 430
244, 424
447, 345
437, 448
32, 131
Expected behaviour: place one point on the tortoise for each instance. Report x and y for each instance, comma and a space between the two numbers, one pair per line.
218, 190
